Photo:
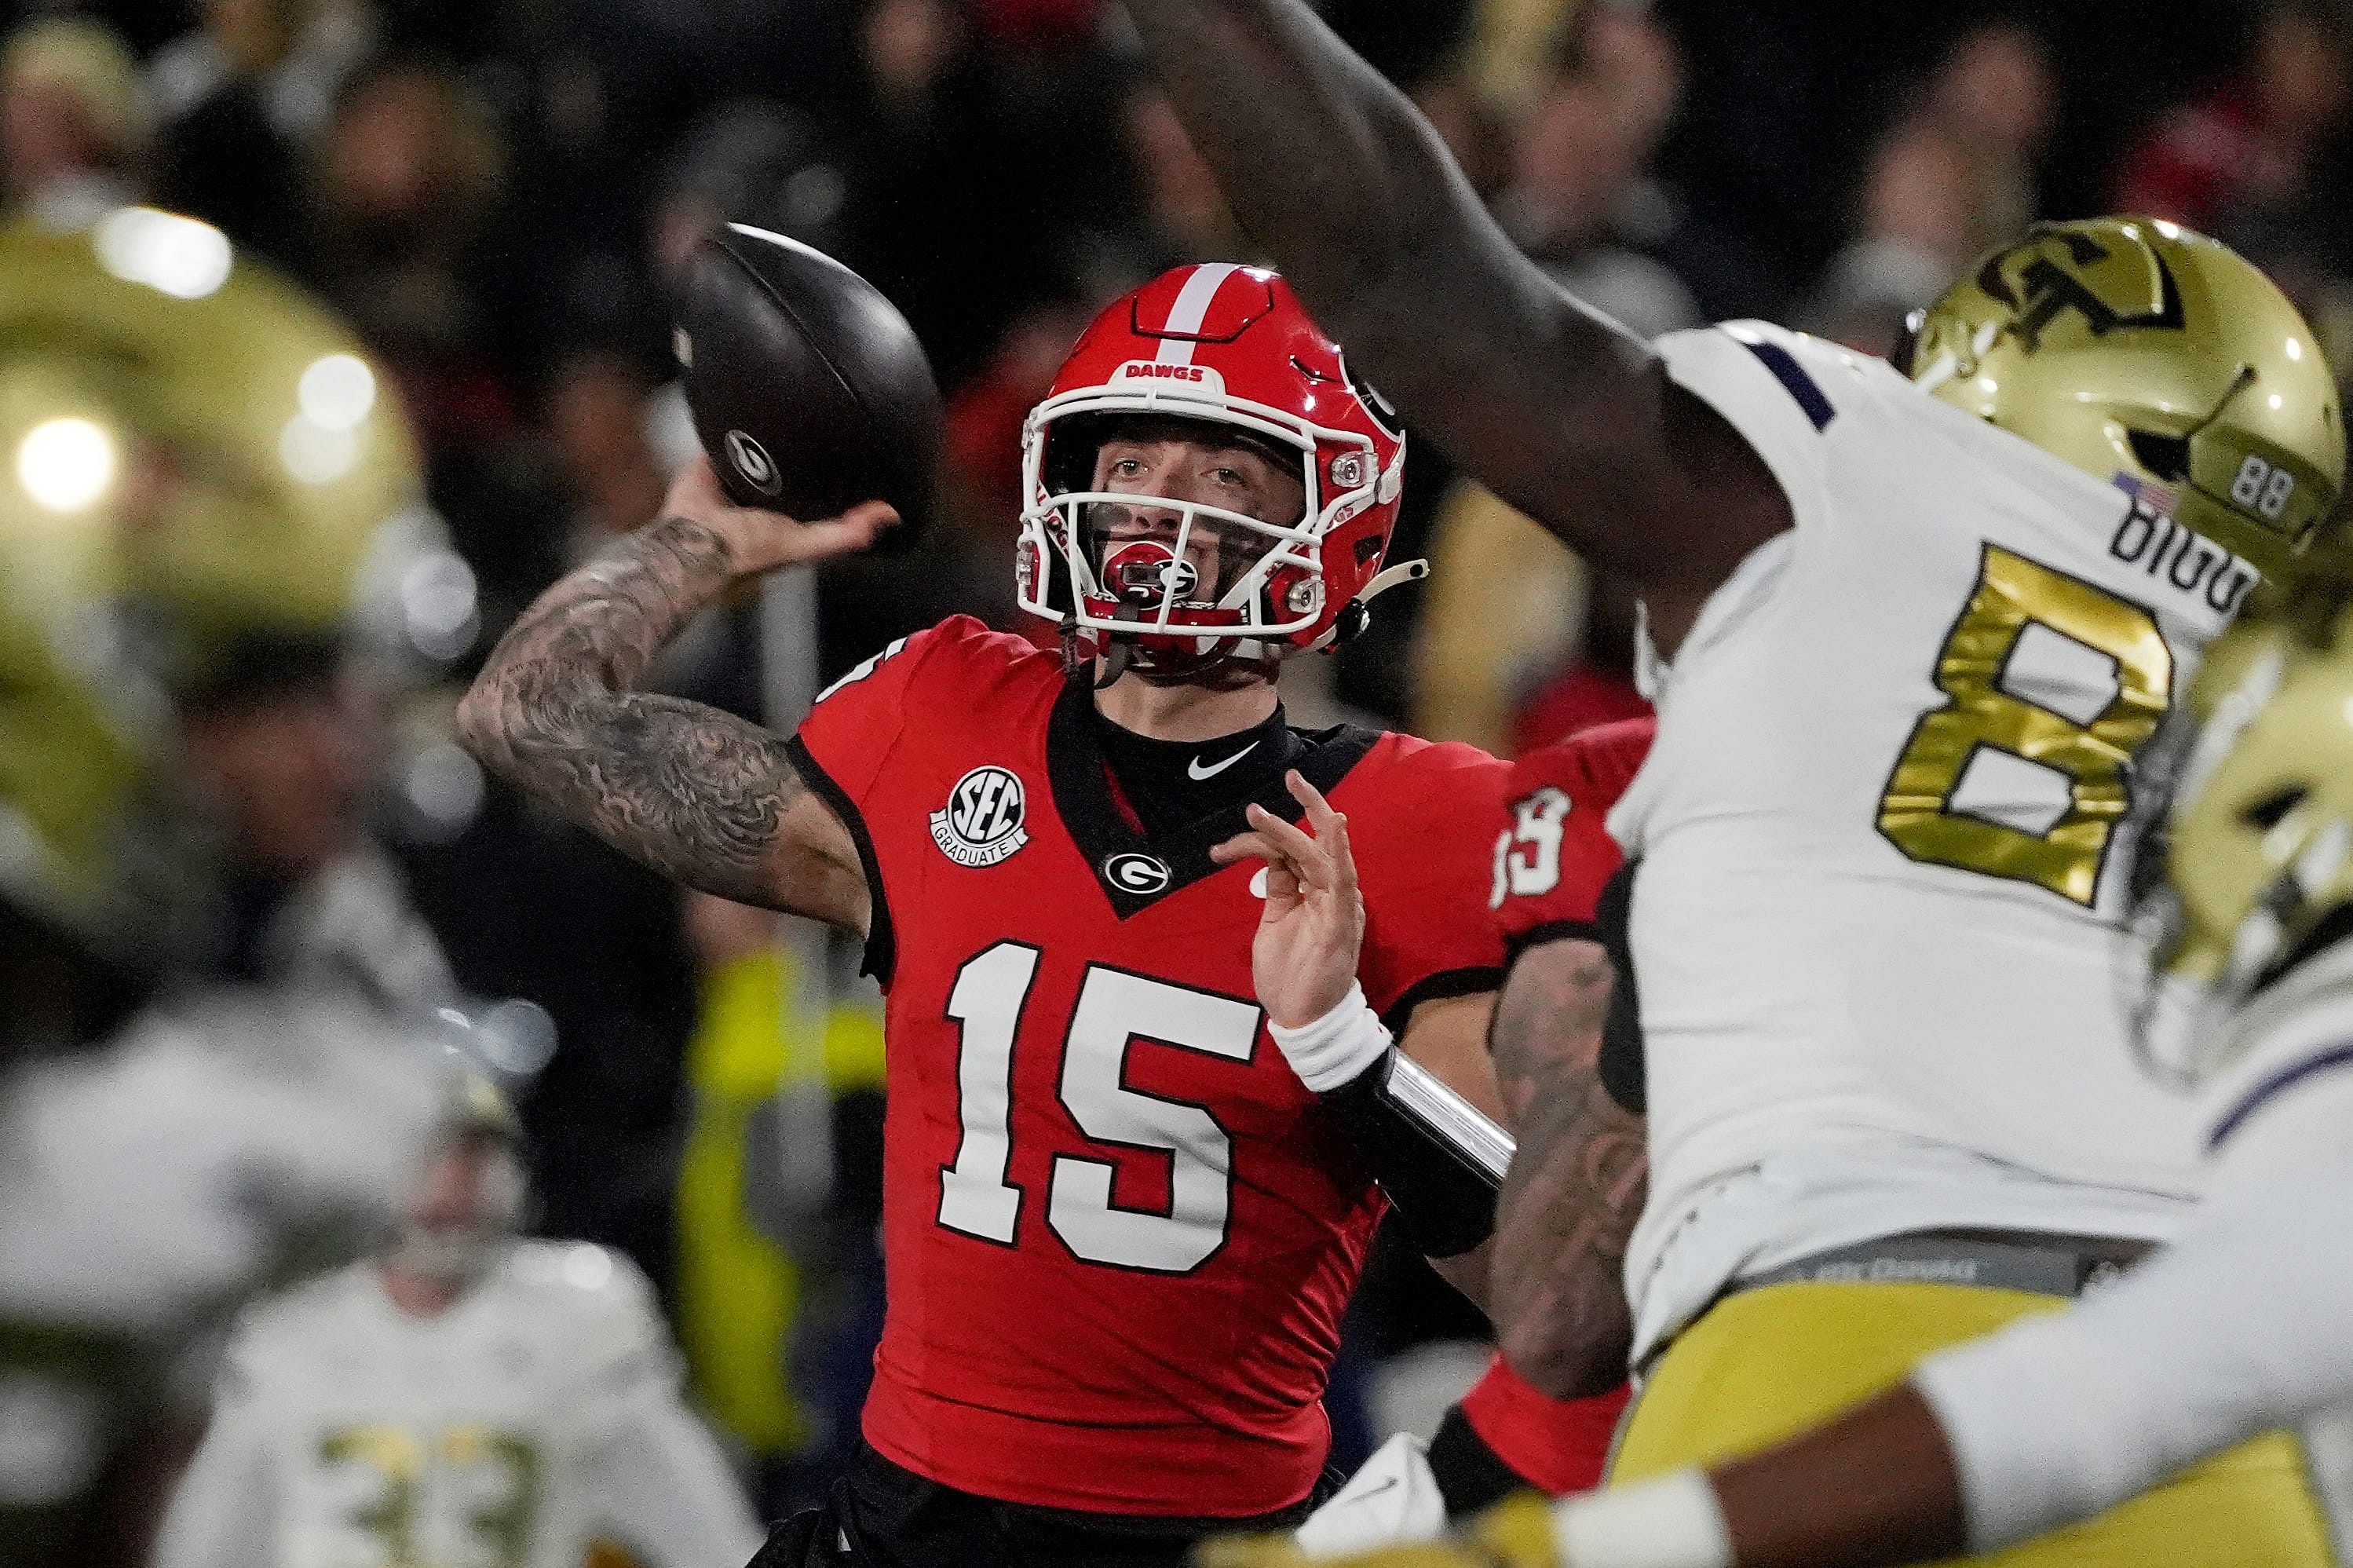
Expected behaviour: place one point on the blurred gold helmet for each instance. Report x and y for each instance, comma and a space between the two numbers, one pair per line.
186, 443
2140, 352
2253, 868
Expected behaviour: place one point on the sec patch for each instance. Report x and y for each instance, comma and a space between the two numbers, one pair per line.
982, 823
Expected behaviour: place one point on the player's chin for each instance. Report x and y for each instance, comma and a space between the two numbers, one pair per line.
1218, 670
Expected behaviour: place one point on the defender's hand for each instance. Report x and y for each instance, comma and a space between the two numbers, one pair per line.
1514, 1534
1303, 959
759, 542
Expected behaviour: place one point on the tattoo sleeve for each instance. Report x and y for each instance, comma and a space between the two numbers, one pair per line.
1577, 1180
697, 794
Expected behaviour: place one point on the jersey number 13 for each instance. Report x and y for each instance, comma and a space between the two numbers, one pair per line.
2089, 750
1114, 1008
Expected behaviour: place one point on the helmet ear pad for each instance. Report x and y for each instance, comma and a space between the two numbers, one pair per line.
2167, 457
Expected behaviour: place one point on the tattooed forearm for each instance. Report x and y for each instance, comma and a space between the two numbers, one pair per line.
697, 794
1577, 1179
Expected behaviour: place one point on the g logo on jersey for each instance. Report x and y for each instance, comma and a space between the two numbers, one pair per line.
751, 460
1137, 873
981, 823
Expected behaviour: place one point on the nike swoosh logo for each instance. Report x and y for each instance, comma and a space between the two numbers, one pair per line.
1194, 770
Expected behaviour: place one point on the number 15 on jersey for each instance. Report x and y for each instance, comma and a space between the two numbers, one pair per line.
1115, 1007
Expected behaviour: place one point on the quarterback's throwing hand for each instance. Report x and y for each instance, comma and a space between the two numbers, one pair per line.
1304, 957
759, 542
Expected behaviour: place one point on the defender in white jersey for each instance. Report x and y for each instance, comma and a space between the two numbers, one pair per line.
2247, 915
466, 1400
149, 1186
1874, 923
1882, 845
1908, 640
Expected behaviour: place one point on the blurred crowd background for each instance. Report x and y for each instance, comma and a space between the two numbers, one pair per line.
491, 194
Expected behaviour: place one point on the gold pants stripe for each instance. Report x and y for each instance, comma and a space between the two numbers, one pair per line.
1767, 1364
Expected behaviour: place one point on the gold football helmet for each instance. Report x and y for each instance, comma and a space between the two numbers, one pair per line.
2138, 351
2255, 868
189, 448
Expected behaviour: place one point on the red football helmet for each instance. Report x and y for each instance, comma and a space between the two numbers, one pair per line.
1229, 348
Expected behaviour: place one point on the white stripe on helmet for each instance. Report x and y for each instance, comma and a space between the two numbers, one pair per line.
1192, 307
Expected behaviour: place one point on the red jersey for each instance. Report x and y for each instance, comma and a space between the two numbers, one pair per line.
1119, 1233
1555, 854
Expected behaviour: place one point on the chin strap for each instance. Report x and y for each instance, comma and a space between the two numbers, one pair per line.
1357, 614
1076, 656
1393, 577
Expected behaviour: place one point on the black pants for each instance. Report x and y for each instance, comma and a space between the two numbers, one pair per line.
883, 1516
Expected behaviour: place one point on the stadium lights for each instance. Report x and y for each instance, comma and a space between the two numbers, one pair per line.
315, 453
337, 391
66, 464
173, 255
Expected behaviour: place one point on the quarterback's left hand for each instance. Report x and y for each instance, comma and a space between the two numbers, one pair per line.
1303, 959
1514, 1534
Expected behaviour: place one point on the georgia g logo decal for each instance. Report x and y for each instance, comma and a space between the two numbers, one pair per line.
981, 823
752, 462
1142, 874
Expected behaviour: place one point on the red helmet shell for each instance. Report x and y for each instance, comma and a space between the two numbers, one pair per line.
1226, 344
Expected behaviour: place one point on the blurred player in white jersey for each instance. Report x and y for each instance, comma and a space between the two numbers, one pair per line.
1907, 630
221, 1146
469, 1399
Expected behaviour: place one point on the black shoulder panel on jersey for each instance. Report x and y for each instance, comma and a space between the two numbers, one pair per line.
1436, 1156
881, 946
1134, 870
1550, 931
1474, 981
1620, 1061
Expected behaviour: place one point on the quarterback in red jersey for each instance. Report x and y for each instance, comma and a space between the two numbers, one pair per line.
1124, 1206
1545, 1422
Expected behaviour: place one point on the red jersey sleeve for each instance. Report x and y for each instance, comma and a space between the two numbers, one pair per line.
1425, 933
1552, 851
860, 723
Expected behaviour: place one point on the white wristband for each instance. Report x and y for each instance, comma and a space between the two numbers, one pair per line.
1673, 1521
1337, 1046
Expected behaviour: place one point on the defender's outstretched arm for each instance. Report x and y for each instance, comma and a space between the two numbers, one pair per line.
1555, 406
697, 794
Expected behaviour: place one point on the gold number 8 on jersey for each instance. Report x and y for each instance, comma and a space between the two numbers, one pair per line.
2012, 593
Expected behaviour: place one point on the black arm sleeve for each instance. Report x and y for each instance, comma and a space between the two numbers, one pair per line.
1437, 1156
1470, 1475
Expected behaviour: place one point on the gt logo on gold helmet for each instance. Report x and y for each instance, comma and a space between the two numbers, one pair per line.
2142, 353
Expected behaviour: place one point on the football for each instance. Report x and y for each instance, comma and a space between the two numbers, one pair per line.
808, 388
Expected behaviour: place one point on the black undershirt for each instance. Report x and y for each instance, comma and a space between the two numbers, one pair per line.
1157, 778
